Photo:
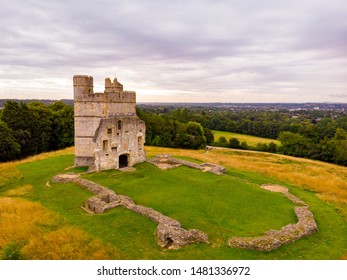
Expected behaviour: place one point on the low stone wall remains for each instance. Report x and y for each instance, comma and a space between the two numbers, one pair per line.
170, 234
273, 239
165, 161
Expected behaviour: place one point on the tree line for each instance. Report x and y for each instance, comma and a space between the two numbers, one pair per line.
28, 129
236, 144
314, 134
165, 131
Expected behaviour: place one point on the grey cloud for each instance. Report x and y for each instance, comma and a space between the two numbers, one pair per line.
195, 47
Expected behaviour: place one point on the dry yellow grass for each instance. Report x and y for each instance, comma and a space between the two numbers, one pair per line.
19, 220
66, 151
8, 170
328, 180
19, 191
67, 243
44, 234
27, 222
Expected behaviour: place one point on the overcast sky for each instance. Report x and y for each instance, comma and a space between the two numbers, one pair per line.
177, 50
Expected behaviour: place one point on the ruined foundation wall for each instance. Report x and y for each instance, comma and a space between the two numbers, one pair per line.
273, 239
170, 234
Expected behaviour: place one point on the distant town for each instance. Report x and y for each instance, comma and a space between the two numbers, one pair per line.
341, 107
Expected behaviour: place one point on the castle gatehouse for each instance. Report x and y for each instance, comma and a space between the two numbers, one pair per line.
108, 133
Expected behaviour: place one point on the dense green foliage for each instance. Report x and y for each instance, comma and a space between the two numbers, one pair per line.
315, 134
164, 131
28, 129
9, 148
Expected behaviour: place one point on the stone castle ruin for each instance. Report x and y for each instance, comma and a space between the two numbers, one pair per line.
108, 133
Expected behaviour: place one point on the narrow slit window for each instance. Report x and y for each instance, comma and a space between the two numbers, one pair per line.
139, 142
119, 124
105, 145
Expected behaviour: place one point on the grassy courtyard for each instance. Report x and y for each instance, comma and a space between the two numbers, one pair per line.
42, 220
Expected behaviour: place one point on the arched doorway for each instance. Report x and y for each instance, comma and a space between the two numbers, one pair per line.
123, 161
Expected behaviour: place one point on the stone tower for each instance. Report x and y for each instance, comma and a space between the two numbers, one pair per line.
108, 133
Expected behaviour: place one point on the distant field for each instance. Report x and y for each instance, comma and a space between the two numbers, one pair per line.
250, 140
42, 220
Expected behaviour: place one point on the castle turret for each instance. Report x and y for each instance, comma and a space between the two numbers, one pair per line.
87, 118
82, 85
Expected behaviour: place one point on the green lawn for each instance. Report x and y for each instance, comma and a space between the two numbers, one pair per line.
221, 206
250, 140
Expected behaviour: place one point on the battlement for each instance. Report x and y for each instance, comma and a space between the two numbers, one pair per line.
84, 91
114, 86
82, 80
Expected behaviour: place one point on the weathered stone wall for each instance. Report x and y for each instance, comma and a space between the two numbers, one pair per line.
91, 109
116, 136
170, 233
166, 161
273, 239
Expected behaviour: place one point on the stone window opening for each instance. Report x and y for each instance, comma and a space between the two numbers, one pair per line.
139, 143
105, 145
109, 131
119, 124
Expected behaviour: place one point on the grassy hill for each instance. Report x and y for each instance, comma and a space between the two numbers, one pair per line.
251, 141
42, 220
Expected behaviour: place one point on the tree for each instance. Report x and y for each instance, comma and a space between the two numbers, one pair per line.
18, 118
294, 144
272, 147
196, 134
209, 136
234, 143
244, 145
222, 141
9, 148
336, 149
41, 126
62, 125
